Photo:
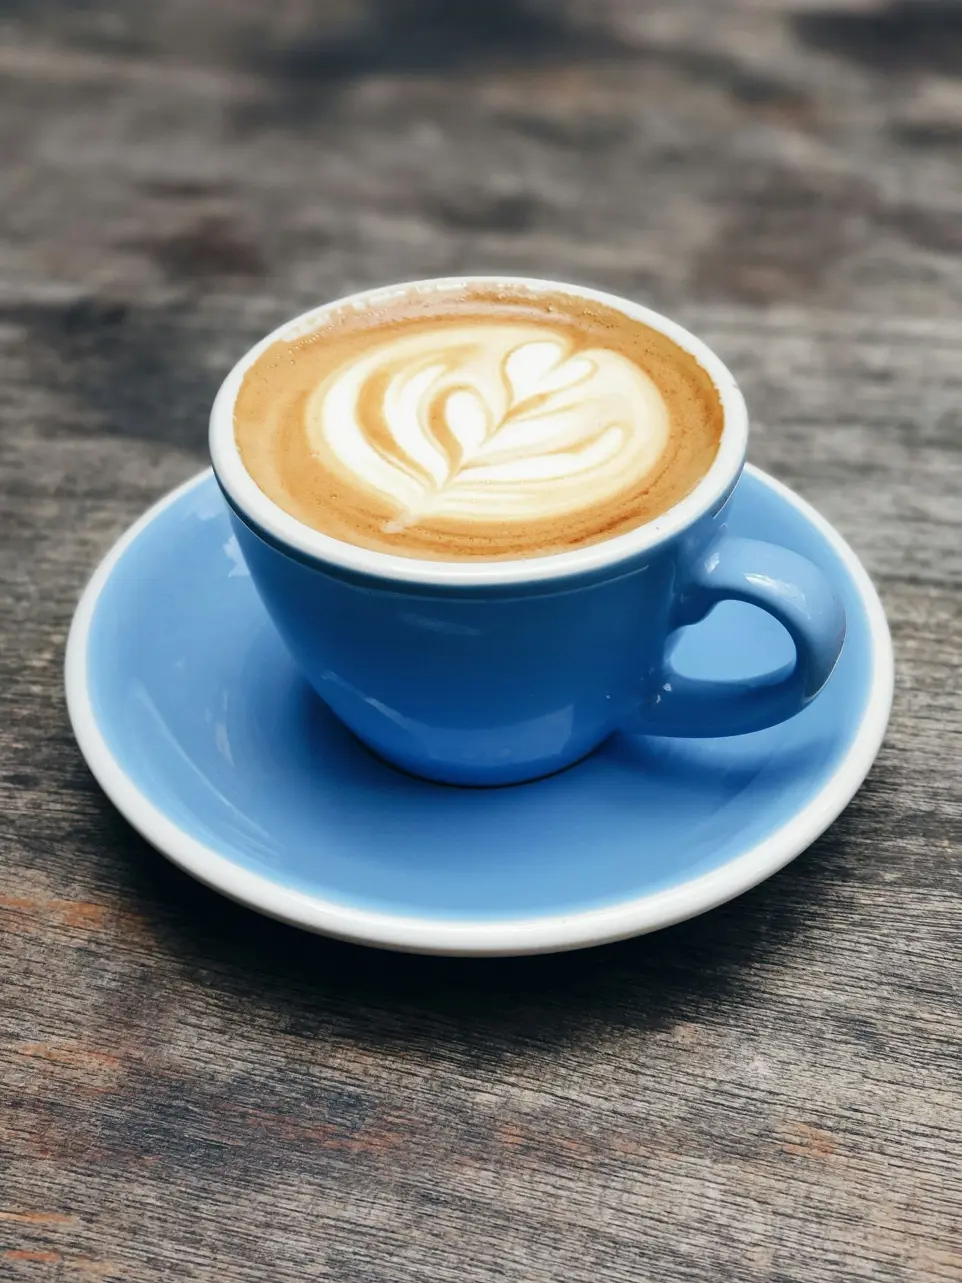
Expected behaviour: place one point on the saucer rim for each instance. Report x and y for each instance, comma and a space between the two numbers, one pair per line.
498, 936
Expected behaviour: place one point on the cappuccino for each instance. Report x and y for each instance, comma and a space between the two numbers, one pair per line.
459, 422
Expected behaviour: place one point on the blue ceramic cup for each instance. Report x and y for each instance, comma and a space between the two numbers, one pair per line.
497, 672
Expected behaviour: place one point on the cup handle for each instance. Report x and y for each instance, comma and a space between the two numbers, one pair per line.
798, 595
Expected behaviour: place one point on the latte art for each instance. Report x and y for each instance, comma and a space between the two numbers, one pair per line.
476, 422
487, 422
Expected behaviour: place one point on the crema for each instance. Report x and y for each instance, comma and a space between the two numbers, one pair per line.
465, 422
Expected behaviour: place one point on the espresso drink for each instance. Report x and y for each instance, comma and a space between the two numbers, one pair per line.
465, 422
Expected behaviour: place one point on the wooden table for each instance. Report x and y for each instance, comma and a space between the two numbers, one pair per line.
772, 1092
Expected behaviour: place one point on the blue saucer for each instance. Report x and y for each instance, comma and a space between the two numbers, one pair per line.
195, 722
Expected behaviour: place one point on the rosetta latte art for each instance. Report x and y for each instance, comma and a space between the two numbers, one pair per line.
482, 420
478, 422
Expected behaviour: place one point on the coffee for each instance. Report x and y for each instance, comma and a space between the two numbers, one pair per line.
460, 422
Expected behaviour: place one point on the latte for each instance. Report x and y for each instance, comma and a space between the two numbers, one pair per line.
464, 422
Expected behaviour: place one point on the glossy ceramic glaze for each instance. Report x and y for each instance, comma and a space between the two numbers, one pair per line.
497, 685
199, 726
498, 672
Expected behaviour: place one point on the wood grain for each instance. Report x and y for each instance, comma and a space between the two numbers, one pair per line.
769, 1093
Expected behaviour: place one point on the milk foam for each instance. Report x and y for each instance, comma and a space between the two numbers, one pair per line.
481, 421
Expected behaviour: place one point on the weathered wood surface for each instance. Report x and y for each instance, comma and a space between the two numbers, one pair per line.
772, 1092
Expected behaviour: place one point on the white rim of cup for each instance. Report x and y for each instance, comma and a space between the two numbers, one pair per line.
253, 503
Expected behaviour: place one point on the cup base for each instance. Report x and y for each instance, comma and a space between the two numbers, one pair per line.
464, 778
